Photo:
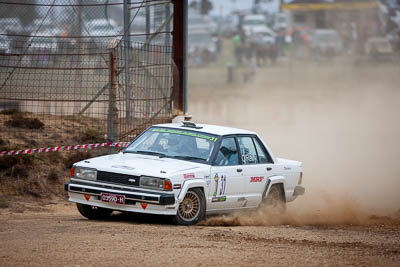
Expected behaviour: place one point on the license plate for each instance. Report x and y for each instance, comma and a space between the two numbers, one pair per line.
112, 198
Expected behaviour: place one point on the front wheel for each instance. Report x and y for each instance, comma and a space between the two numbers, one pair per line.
92, 212
192, 209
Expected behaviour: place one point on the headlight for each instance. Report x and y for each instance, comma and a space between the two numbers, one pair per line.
155, 183
85, 173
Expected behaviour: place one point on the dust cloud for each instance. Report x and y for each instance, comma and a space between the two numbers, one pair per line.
340, 119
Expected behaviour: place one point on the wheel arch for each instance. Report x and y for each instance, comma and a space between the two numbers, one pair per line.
277, 180
189, 184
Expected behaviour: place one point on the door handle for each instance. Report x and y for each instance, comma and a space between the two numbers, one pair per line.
239, 170
268, 169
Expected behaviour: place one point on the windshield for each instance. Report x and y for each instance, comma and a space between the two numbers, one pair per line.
174, 143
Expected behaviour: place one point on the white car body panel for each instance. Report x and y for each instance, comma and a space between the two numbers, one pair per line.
225, 187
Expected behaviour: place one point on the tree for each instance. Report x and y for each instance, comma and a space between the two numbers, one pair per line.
205, 7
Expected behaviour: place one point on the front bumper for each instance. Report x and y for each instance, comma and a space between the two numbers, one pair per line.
136, 200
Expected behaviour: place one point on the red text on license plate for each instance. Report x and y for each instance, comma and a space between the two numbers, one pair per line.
112, 198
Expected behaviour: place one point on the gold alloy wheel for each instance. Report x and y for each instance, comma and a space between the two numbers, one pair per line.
189, 207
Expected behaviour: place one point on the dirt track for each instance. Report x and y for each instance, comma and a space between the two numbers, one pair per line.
340, 121
57, 235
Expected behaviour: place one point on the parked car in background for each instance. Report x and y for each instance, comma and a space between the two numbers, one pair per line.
325, 43
378, 48
254, 24
198, 22
280, 21
44, 27
186, 170
10, 25
394, 39
4, 45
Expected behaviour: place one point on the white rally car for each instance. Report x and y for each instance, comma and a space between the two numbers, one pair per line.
185, 170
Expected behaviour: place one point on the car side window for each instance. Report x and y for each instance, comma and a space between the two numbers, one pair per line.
247, 150
227, 153
262, 157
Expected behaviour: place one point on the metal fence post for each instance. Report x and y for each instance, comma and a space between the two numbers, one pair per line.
126, 55
147, 51
111, 125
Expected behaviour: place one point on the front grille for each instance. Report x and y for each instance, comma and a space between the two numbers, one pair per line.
117, 178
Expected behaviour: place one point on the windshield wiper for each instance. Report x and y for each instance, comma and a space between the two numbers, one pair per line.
189, 158
161, 155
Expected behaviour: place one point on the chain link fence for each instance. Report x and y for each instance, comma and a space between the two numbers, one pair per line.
74, 71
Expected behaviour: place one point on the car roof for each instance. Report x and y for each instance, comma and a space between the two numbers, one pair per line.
207, 128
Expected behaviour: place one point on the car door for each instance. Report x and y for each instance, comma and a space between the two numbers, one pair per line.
226, 177
257, 167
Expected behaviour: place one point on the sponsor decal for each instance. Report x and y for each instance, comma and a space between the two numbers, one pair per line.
177, 186
256, 179
122, 167
249, 158
219, 199
219, 184
144, 205
189, 176
287, 168
198, 135
169, 208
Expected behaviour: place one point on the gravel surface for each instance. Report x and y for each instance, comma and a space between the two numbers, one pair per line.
55, 234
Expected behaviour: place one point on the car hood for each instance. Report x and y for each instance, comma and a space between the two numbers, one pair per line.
138, 164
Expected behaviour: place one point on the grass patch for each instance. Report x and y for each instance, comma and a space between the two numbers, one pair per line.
4, 203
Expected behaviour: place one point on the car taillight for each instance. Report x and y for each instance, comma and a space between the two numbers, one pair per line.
72, 171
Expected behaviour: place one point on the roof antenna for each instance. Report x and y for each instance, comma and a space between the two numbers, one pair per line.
187, 117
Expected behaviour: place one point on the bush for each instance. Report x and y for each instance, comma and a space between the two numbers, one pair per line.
18, 171
9, 111
92, 135
18, 120
53, 175
7, 162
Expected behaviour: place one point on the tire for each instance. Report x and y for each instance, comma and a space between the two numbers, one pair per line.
192, 209
92, 212
274, 203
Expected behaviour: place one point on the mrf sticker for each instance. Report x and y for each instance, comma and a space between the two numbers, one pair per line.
189, 176
257, 179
